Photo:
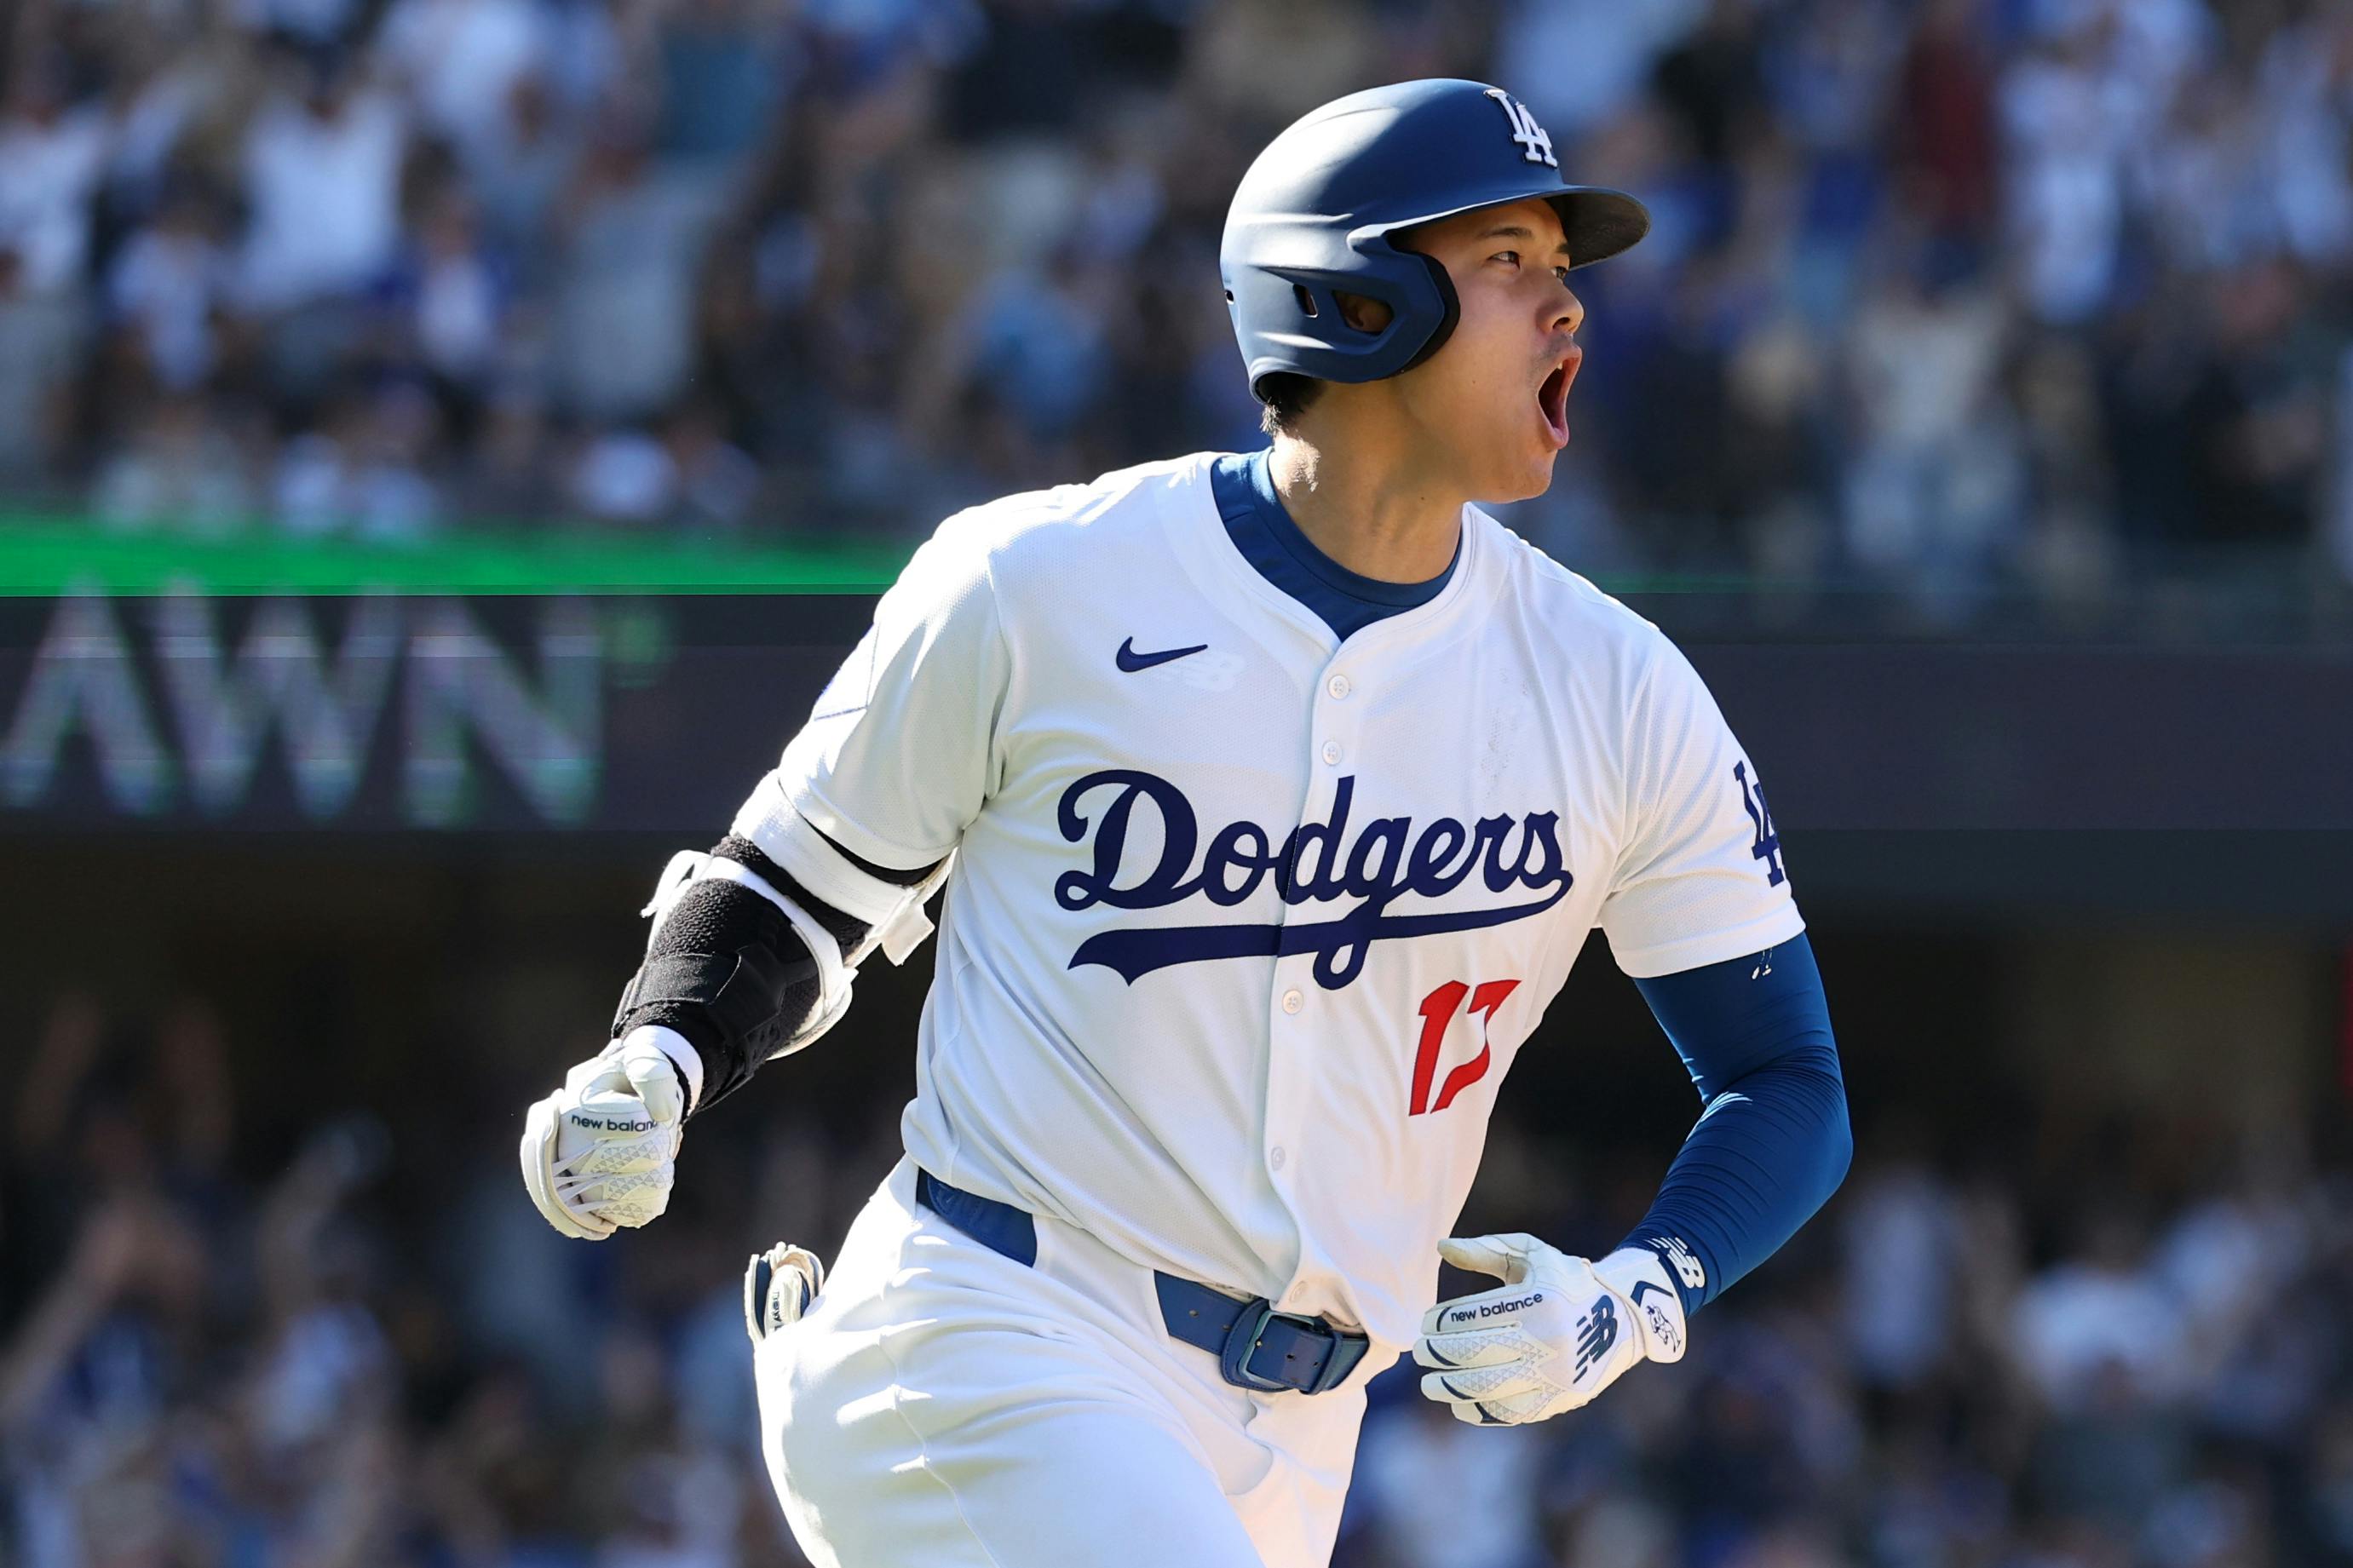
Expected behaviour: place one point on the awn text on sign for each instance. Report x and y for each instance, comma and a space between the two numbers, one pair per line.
178, 716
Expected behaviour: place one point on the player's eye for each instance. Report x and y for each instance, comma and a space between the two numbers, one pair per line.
1511, 255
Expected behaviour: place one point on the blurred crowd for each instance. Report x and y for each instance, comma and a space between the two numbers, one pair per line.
1941, 292
232, 1341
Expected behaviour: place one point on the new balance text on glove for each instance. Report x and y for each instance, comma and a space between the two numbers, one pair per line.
599, 1153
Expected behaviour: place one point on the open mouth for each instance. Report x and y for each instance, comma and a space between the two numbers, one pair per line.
1552, 398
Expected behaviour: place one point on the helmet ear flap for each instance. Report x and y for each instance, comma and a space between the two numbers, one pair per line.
1299, 310
1452, 312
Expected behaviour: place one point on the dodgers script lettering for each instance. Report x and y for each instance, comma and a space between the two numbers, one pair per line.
1316, 862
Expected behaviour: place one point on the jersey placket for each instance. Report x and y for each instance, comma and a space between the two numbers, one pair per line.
1300, 1007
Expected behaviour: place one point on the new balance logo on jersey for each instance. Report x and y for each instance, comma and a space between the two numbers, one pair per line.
1768, 847
1595, 1332
1316, 862
1536, 144
1130, 661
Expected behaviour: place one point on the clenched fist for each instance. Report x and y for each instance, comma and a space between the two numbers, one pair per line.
598, 1154
1558, 1332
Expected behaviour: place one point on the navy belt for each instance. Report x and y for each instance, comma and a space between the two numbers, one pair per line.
1257, 1347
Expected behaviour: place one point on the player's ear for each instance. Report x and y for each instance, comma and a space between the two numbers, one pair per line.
1364, 315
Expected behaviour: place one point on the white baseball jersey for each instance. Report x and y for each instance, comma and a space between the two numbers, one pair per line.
1247, 924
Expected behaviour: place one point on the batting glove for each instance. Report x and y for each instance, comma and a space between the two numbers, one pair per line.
600, 1153
1558, 1332
779, 1287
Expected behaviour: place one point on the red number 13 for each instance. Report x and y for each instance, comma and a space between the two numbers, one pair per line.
1437, 1010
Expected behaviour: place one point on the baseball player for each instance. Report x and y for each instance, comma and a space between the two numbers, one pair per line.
1273, 796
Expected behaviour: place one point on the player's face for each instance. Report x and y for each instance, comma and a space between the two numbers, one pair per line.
1494, 397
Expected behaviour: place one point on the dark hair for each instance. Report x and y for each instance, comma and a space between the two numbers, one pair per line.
1285, 395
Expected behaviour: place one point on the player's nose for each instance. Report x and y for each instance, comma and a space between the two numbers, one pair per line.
1567, 313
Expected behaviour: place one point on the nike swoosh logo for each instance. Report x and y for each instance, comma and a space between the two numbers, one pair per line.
1130, 661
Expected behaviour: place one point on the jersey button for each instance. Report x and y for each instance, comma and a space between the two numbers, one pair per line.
1275, 1157
1337, 686
1293, 1000
1332, 752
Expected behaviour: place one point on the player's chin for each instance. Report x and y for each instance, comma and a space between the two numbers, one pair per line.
1522, 475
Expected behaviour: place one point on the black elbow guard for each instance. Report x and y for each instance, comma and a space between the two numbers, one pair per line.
726, 969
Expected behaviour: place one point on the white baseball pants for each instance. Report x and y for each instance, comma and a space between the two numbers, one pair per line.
943, 1406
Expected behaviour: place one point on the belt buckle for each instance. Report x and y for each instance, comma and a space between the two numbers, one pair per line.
1248, 1331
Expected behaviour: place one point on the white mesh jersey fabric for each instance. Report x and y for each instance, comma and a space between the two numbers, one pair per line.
1248, 923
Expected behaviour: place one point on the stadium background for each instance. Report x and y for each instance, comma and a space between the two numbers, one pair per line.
445, 443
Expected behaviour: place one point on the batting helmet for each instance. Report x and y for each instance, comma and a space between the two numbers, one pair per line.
1316, 210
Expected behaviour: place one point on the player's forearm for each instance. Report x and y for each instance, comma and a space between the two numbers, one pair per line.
1774, 1143
1768, 1153
730, 972
748, 959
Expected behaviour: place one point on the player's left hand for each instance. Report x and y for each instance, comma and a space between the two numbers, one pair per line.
1558, 1330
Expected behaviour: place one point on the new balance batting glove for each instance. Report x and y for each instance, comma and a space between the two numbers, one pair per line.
599, 1153
1558, 1330
779, 1286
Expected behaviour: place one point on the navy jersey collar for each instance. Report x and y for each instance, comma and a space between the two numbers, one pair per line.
1271, 542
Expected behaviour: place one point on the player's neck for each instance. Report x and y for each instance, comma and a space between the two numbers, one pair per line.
1368, 507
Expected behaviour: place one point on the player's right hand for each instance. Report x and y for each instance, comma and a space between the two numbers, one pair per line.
600, 1153
779, 1284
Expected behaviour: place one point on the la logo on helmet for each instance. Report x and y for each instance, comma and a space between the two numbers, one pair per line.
1536, 145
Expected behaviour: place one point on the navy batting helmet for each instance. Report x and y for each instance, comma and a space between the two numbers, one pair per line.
1316, 209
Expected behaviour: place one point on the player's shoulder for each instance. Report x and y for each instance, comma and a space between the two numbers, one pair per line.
1567, 604
1029, 522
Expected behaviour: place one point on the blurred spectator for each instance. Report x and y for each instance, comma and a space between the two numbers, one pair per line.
461, 62
717, 482
1943, 105
55, 151
1936, 483
630, 239
519, 169
624, 475
1901, 1246
454, 296
1615, 46
364, 471
2100, 1330
721, 76
182, 470
166, 281
322, 165
40, 340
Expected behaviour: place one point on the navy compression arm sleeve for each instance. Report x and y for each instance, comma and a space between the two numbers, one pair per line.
1773, 1142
